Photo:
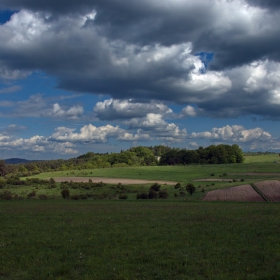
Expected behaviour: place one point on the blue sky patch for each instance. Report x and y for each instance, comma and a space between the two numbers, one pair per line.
206, 58
5, 16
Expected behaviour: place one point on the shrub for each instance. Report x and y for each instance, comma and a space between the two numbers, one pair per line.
123, 196
155, 187
142, 196
203, 190
212, 174
18, 197
163, 194
65, 194
52, 181
190, 188
175, 194
177, 186
75, 197
182, 193
32, 194
2, 183
152, 194
6, 195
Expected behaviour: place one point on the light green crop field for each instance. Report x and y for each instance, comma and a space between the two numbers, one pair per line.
265, 158
58, 239
261, 163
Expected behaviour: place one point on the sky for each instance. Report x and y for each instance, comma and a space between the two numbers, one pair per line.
107, 75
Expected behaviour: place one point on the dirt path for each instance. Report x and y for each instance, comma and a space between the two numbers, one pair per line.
256, 174
113, 180
214, 180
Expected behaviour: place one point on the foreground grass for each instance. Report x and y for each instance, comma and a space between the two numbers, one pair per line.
138, 240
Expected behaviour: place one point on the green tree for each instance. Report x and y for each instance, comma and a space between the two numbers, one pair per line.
3, 168
65, 194
190, 188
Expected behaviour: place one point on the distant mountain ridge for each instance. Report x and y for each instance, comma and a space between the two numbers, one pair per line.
17, 160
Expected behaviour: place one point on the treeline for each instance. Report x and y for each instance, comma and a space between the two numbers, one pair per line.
136, 156
211, 155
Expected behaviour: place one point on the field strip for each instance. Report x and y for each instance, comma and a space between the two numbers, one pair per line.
213, 180
256, 174
239, 193
271, 189
113, 180
260, 193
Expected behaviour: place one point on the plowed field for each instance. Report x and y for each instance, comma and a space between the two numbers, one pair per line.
271, 189
112, 180
239, 193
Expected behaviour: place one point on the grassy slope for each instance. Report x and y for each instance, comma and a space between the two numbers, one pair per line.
175, 173
138, 240
185, 174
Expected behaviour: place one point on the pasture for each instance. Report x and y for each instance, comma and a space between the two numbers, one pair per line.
181, 237
205, 177
57, 239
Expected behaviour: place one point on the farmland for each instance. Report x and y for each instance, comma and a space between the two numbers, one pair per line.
271, 189
179, 237
58, 239
240, 193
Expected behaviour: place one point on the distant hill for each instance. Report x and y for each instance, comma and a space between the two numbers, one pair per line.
16, 160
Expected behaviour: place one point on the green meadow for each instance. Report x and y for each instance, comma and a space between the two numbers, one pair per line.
181, 237
139, 240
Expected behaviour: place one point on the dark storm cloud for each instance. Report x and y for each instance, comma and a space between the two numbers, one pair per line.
270, 4
145, 50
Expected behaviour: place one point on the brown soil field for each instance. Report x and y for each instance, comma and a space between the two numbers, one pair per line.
112, 180
239, 193
271, 189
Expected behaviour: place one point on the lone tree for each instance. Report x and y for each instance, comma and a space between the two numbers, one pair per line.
65, 193
190, 188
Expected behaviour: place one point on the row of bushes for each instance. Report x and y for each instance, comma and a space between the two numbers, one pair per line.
66, 195
81, 185
7, 195
152, 195
15, 181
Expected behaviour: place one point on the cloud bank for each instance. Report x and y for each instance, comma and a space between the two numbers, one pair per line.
148, 51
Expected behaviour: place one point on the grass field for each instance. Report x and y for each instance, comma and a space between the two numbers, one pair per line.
175, 238
183, 174
138, 240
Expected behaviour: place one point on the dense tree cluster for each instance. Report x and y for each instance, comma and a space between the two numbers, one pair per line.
210, 155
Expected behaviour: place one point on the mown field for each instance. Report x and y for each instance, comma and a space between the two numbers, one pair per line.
138, 240
181, 237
